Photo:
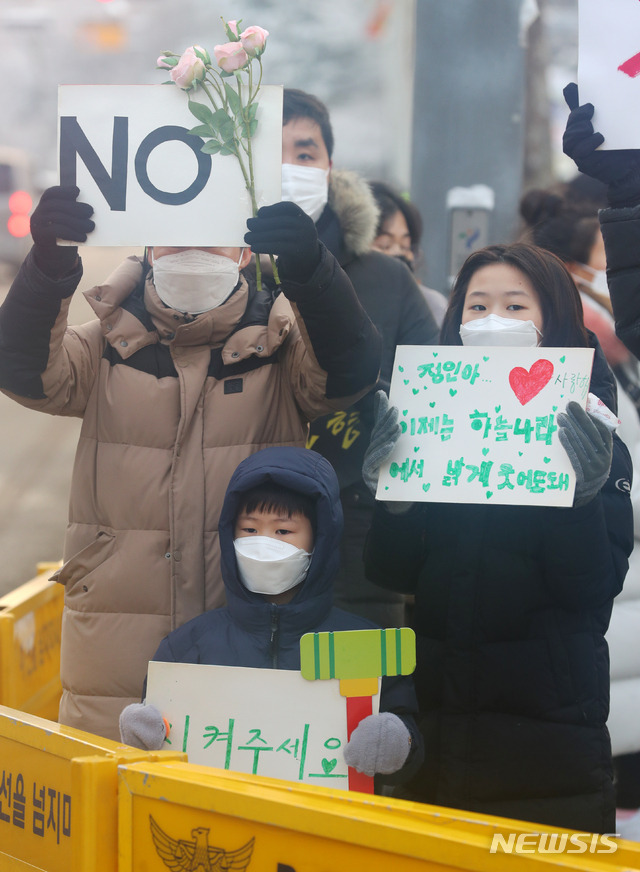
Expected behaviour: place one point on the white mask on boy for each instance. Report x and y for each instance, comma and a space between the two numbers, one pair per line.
496, 330
194, 281
270, 566
308, 187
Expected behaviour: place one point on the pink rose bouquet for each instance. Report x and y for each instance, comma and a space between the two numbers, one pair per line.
228, 119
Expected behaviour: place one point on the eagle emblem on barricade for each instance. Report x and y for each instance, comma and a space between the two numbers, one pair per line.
181, 855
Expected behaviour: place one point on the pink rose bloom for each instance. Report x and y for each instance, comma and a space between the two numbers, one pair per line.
188, 70
254, 40
233, 27
231, 56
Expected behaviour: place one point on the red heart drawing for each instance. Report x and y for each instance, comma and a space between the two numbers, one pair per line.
527, 385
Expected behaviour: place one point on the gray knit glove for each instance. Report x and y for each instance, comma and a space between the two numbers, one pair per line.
379, 744
142, 726
589, 444
386, 432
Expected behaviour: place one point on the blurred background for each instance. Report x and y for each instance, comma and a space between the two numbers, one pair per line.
426, 95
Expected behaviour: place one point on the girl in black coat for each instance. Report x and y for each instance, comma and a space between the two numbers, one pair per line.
512, 603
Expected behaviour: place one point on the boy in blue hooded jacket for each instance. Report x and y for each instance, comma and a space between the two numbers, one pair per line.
280, 530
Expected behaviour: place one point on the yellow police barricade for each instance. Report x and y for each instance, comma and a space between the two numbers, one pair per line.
30, 620
181, 816
58, 795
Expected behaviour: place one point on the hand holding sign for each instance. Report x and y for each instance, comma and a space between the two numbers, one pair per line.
58, 215
589, 444
619, 170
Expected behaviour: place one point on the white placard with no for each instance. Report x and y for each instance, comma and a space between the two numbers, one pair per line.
261, 721
609, 68
147, 181
480, 424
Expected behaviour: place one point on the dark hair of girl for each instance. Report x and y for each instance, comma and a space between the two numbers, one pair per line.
389, 202
562, 323
271, 497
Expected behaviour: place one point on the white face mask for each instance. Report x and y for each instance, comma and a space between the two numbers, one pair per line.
270, 566
598, 282
308, 187
495, 330
194, 281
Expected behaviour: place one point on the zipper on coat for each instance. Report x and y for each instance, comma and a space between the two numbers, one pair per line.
273, 642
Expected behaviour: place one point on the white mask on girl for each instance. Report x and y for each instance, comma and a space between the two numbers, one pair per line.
308, 187
270, 566
195, 281
495, 330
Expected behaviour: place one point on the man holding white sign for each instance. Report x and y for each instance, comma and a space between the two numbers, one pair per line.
187, 370
511, 601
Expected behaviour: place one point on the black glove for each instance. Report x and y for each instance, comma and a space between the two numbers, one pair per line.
619, 169
286, 231
58, 215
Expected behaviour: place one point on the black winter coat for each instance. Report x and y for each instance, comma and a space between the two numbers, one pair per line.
512, 604
621, 234
252, 632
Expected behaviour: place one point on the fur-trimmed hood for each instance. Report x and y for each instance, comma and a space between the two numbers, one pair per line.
351, 199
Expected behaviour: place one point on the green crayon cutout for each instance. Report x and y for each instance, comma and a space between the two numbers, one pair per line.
358, 657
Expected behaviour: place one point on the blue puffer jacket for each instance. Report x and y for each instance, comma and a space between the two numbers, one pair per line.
251, 632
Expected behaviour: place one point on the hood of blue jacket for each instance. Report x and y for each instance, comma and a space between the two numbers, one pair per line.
305, 472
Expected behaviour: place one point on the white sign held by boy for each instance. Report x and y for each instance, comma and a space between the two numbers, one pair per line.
129, 150
259, 721
479, 425
609, 68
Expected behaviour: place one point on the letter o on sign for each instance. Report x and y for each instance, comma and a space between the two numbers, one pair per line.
166, 134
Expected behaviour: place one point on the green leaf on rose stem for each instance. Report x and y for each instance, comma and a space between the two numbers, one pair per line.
233, 98
201, 112
220, 117
169, 62
224, 74
228, 131
251, 110
211, 147
226, 150
202, 130
203, 55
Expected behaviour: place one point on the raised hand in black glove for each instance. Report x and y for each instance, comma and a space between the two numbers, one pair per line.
286, 231
619, 169
58, 215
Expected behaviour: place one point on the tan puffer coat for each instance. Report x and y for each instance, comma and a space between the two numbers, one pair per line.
170, 405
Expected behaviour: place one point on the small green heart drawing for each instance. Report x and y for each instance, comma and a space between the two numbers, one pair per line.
401, 368
405, 380
452, 392
386, 487
328, 765
425, 487
416, 448
554, 408
547, 459
520, 453
485, 359
562, 359
415, 391
435, 353
485, 451
488, 494
424, 387
404, 411
431, 405
498, 408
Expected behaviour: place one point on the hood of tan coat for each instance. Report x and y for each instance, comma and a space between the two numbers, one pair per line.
351, 199
127, 331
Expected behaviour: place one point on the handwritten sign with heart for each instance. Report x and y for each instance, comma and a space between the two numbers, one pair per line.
527, 385
259, 721
479, 425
